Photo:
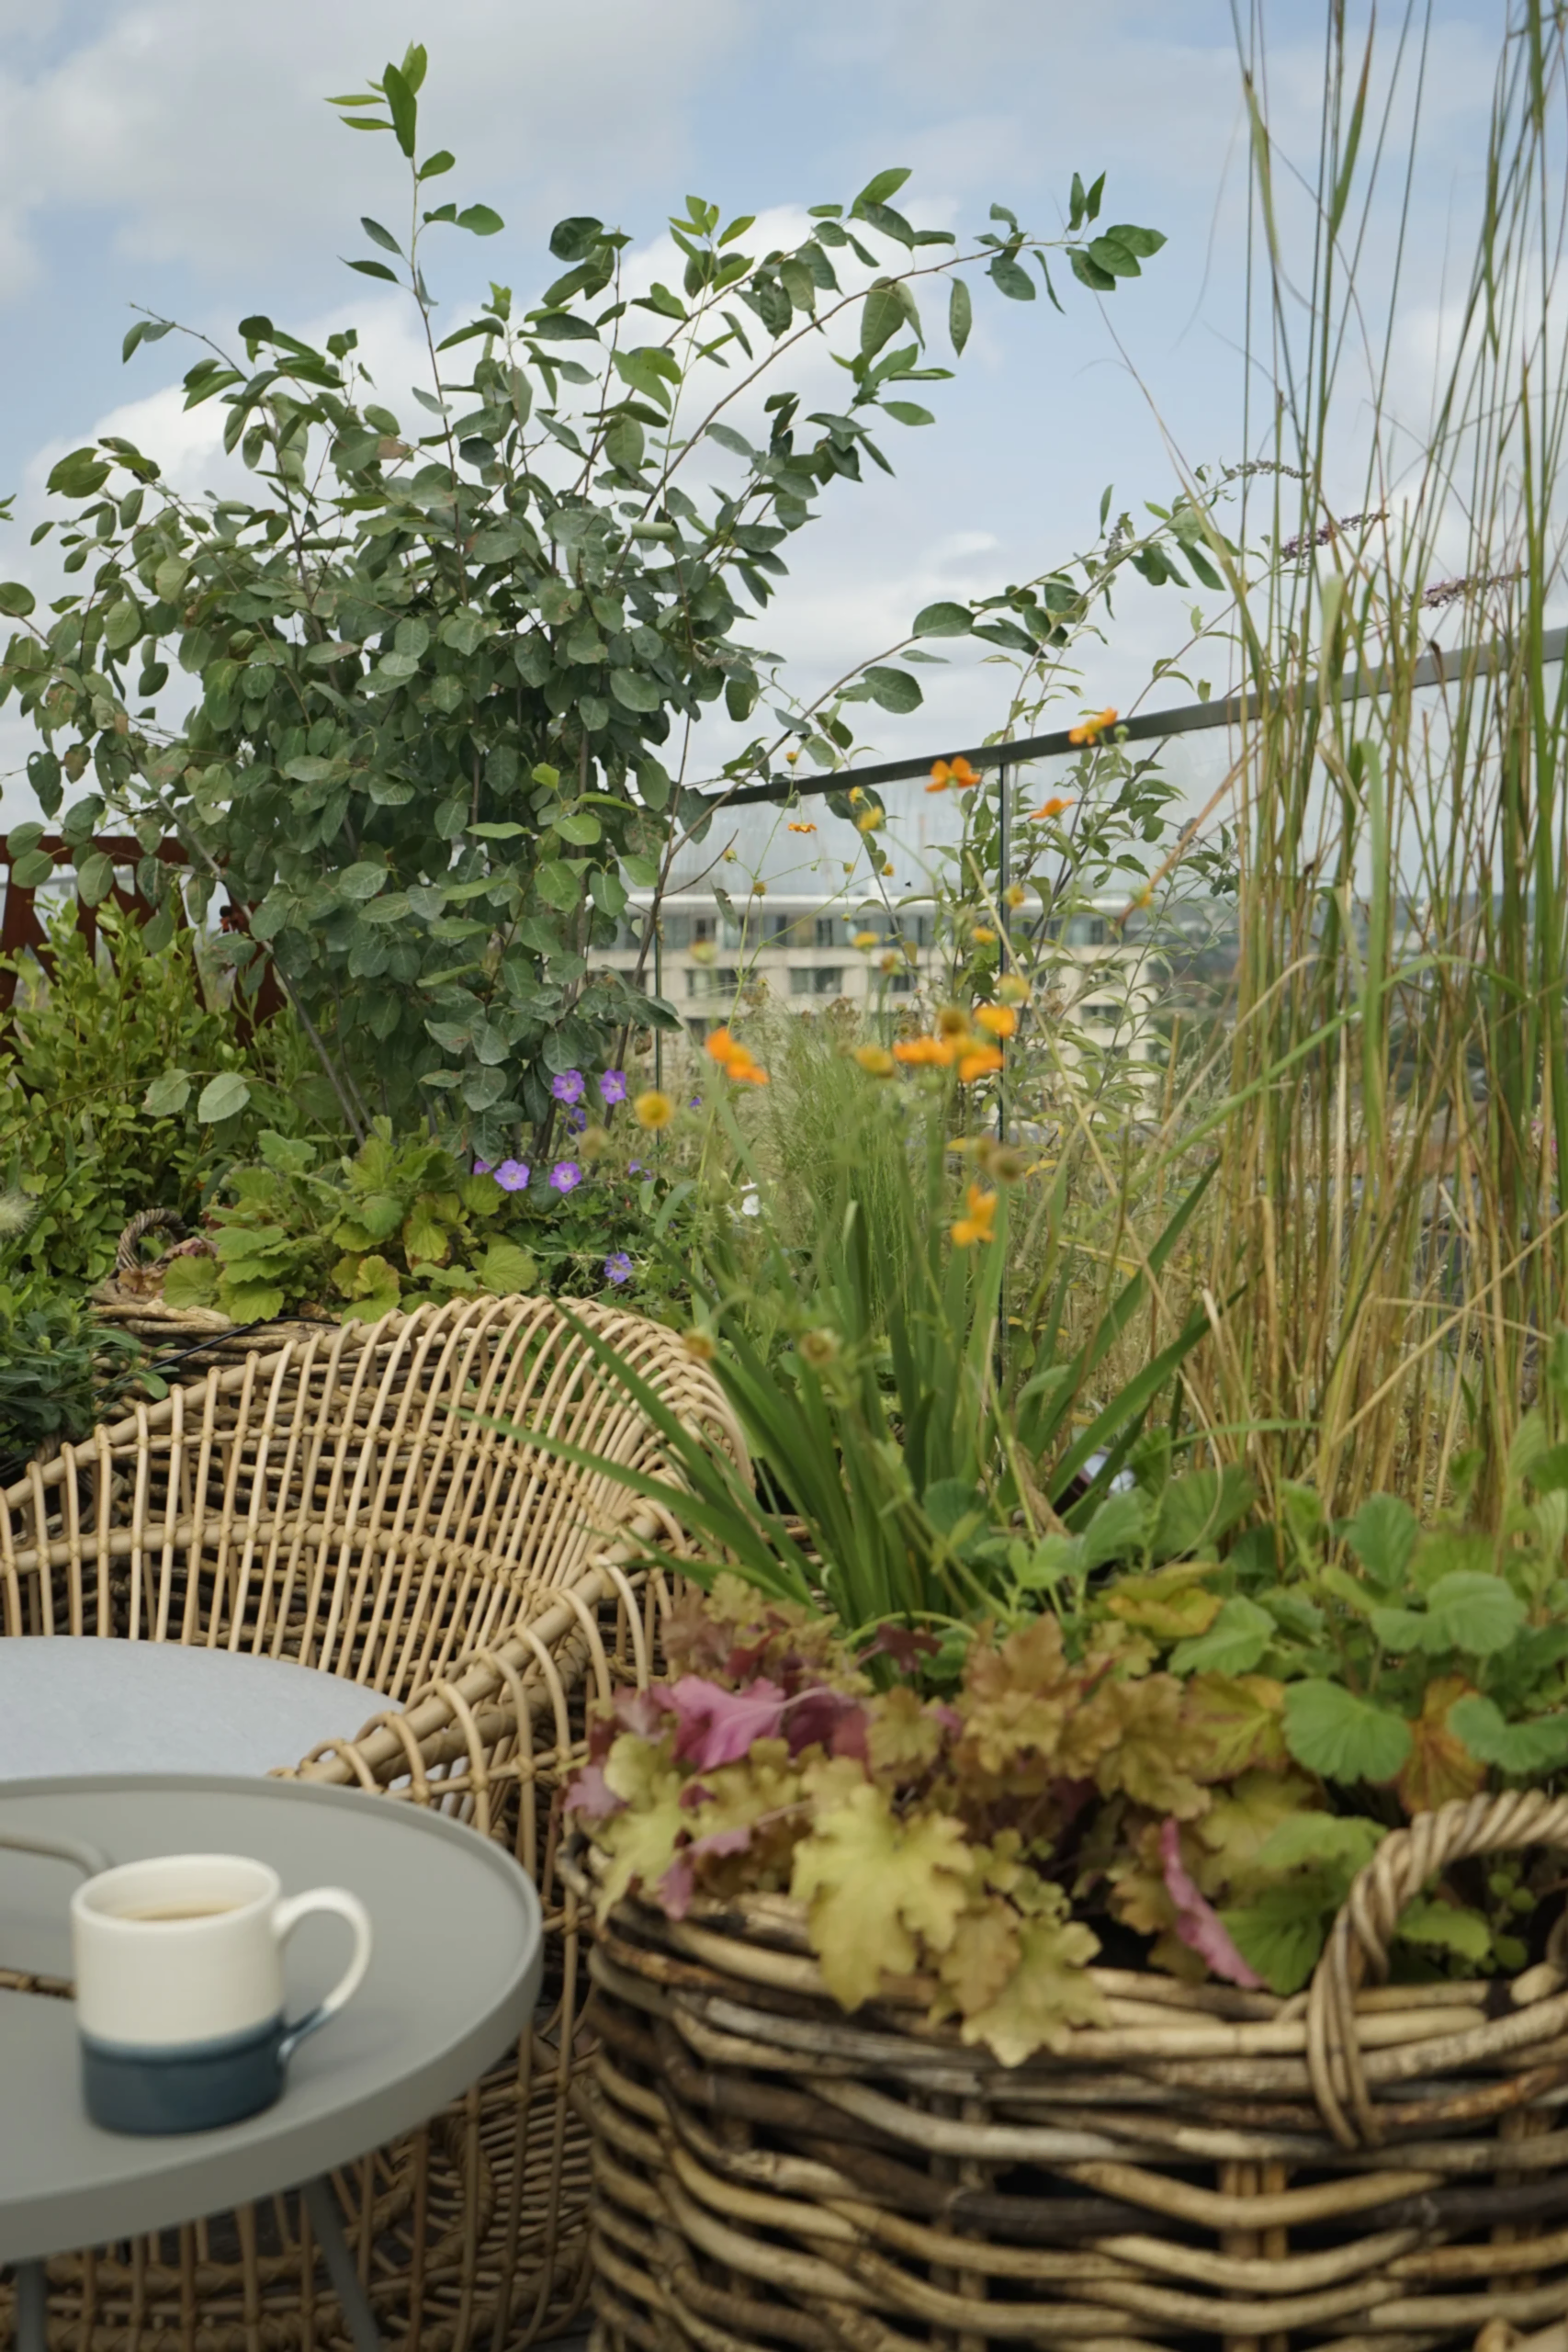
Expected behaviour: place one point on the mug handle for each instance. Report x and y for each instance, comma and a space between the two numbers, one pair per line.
285, 1917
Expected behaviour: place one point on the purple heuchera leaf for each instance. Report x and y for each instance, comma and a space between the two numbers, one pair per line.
591, 1795
1198, 1924
822, 1718
678, 1884
642, 1712
905, 1644
718, 1726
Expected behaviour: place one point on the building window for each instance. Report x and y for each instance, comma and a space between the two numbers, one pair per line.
1085, 931
901, 983
675, 930
1110, 1012
826, 928
696, 1031
702, 927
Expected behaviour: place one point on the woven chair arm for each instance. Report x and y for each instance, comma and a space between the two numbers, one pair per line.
1358, 1942
145, 1221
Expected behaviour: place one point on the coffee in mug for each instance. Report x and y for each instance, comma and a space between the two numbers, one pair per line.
179, 1988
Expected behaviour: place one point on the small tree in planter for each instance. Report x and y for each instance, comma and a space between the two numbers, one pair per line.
442, 663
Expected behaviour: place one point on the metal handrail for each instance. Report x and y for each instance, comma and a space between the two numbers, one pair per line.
1436, 668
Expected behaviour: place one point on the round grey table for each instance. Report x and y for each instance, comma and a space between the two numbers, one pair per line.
454, 1975
81, 1703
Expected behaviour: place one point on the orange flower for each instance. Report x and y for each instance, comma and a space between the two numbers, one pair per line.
1090, 729
802, 829
1051, 808
980, 1223
958, 772
925, 1053
952, 1021
997, 1020
734, 1060
978, 1063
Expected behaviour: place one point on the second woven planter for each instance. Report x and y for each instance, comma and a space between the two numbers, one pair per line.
1364, 2166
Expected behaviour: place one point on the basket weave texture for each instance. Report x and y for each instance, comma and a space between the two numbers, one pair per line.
1364, 2166
347, 1503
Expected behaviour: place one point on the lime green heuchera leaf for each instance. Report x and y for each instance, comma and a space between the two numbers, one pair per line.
878, 1890
1049, 1992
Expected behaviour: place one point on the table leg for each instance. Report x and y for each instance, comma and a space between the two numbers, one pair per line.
322, 2206
32, 2308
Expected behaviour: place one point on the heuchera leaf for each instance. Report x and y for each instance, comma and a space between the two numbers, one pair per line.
1198, 1924
718, 1726
874, 1885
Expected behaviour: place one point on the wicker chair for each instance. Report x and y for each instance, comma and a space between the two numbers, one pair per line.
372, 1504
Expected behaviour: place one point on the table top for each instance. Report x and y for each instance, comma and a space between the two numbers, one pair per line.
453, 1979
85, 1704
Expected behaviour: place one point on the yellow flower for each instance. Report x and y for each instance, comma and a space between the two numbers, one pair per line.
790, 758
857, 792
1146, 896
870, 822
1013, 988
958, 772
890, 963
699, 1346
983, 935
702, 950
1091, 729
887, 865
1015, 894
802, 829
952, 1021
977, 1226
978, 1063
997, 1020
1050, 809
866, 939
876, 1060
759, 890
653, 1110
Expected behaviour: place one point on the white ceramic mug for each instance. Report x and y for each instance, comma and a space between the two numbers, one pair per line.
179, 1988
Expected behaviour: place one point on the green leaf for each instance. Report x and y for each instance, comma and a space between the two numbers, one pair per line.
375, 269
1136, 241
379, 236
1112, 255
167, 1094
1446, 1927
1526, 1749
634, 691
361, 880
507, 1269
894, 690
222, 1097
574, 239
907, 413
30, 871
943, 620
480, 220
1382, 1536
434, 165
1197, 1510
579, 828
885, 184
1342, 1737
1476, 1612
403, 108
882, 316
80, 474
1233, 1645
1088, 273
16, 602
1010, 280
1306, 1839
94, 878
960, 314
1280, 1933
190, 1281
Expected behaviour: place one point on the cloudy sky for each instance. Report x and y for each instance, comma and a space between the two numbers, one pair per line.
177, 154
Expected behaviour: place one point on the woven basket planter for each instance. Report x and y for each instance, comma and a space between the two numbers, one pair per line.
346, 1503
1363, 2166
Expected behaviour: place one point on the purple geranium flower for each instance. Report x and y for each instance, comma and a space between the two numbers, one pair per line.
566, 1086
618, 1266
566, 1175
634, 1168
512, 1175
482, 1167
576, 1119
612, 1085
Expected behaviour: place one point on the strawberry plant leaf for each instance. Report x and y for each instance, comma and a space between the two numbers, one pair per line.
1334, 1733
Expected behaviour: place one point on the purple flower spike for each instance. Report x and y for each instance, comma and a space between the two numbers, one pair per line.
566, 1175
512, 1175
567, 1087
612, 1086
618, 1266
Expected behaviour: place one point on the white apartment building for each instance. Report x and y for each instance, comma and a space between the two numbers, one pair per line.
809, 951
